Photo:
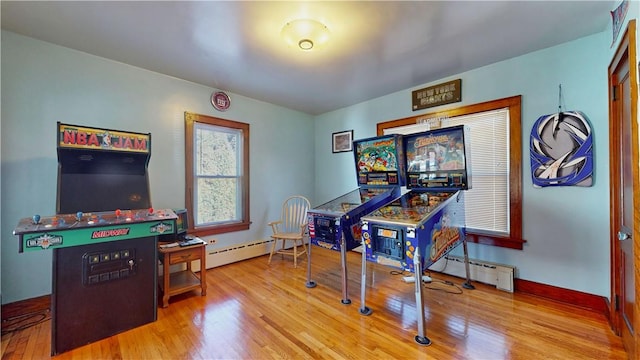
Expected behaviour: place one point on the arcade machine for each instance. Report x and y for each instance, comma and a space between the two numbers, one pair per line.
413, 231
103, 236
335, 225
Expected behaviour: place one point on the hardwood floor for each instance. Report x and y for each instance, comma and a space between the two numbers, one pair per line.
256, 311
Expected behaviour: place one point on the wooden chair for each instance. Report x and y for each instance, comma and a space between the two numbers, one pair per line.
291, 226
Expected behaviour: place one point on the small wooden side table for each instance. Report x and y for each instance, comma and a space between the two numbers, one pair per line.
185, 280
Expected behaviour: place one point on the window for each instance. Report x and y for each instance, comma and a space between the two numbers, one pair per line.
493, 207
217, 174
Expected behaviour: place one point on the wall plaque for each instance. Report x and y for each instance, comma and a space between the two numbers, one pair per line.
436, 95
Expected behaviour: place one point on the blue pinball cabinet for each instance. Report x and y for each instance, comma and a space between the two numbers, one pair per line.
413, 231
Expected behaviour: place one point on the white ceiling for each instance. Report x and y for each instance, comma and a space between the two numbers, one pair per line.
376, 47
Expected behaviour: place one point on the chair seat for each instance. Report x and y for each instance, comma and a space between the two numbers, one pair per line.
287, 236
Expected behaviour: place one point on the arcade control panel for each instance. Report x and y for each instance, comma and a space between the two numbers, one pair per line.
65, 230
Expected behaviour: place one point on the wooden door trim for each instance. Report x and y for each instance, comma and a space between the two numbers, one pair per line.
626, 48
634, 66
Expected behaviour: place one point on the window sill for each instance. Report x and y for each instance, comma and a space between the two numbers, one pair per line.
220, 229
505, 242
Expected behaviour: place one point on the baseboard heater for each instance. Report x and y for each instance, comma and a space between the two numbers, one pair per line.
239, 252
234, 253
500, 275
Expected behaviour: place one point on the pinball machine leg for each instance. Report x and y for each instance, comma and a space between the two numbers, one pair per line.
364, 310
421, 338
343, 256
467, 284
310, 283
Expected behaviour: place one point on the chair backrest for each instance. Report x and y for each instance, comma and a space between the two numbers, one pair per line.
294, 213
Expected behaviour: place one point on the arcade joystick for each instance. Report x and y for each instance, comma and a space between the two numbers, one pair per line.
150, 211
36, 219
118, 213
79, 216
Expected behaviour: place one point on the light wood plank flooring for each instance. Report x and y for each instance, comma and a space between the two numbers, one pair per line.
256, 311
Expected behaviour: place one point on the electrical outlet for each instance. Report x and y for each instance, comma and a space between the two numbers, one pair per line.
211, 241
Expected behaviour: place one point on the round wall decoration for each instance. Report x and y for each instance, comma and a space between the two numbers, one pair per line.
562, 150
220, 100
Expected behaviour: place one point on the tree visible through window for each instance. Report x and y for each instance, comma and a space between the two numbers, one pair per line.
217, 174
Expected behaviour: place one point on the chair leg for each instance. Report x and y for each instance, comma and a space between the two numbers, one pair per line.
283, 251
295, 254
282, 248
273, 249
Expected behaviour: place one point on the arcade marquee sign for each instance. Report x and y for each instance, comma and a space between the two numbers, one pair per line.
81, 137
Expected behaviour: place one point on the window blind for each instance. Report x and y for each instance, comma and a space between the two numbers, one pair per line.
487, 202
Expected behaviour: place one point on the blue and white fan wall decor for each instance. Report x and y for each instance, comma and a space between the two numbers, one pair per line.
562, 150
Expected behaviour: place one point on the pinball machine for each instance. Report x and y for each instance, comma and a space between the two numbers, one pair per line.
335, 224
412, 232
103, 236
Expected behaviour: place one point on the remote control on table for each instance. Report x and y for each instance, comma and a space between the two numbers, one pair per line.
169, 245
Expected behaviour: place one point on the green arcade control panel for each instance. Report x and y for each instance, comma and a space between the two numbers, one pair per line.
66, 230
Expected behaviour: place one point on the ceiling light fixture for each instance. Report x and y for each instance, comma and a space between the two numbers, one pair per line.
306, 34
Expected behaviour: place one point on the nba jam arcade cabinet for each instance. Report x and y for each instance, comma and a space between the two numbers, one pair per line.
103, 236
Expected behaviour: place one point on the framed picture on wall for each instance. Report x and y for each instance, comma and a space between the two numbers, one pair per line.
342, 141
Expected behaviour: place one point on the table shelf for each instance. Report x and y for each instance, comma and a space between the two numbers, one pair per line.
185, 280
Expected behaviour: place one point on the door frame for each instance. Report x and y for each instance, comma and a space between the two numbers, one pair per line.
626, 47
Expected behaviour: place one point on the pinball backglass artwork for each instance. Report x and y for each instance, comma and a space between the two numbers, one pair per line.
437, 159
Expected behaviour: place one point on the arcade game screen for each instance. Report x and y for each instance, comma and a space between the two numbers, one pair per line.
106, 192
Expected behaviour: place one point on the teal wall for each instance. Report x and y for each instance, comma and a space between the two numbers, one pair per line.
43, 84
